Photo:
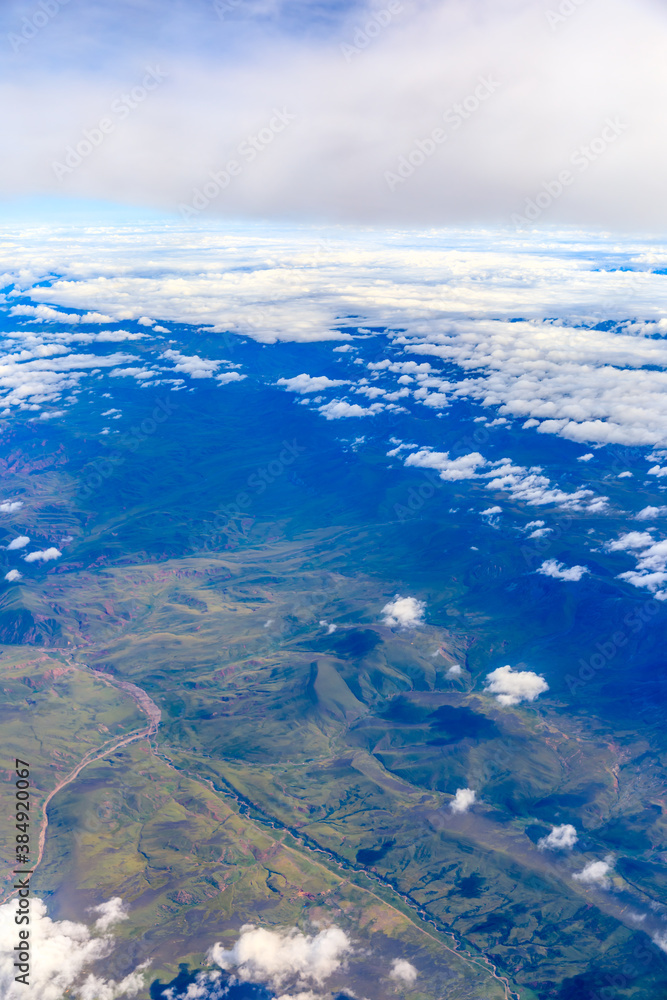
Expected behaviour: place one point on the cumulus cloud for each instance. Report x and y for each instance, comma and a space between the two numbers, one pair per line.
306, 383
43, 555
651, 556
338, 408
10, 506
596, 872
62, 952
47, 314
192, 364
230, 377
13, 575
511, 687
650, 513
561, 838
404, 612
660, 938
403, 971
464, 467
276, 957
110, 913
524, 484
629, 541
19, 542
454, 671
42, 374
463, 800
535, 489
551, 567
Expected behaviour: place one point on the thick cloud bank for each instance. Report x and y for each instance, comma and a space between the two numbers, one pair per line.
563, 333
502, 109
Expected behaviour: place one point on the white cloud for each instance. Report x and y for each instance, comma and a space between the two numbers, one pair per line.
13, 575
524, 484
41, 374
567, 376
116, 336
540, 532
464, 467
531, 487
660, 938
43, 555
274, 957
561, 838
338, 408
585, 458
140, 374
403, 971
454, 671
406, 612
463, 800
511, 687
651, 570
46, 314
61, 952
19, 542
629, 541
229, 377
9, 506
595, 872
110, 913
492, 510
192, 364
551, 567
306, 383
651, 513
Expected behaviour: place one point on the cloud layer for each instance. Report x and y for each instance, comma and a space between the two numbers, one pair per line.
263, 111
563, 333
